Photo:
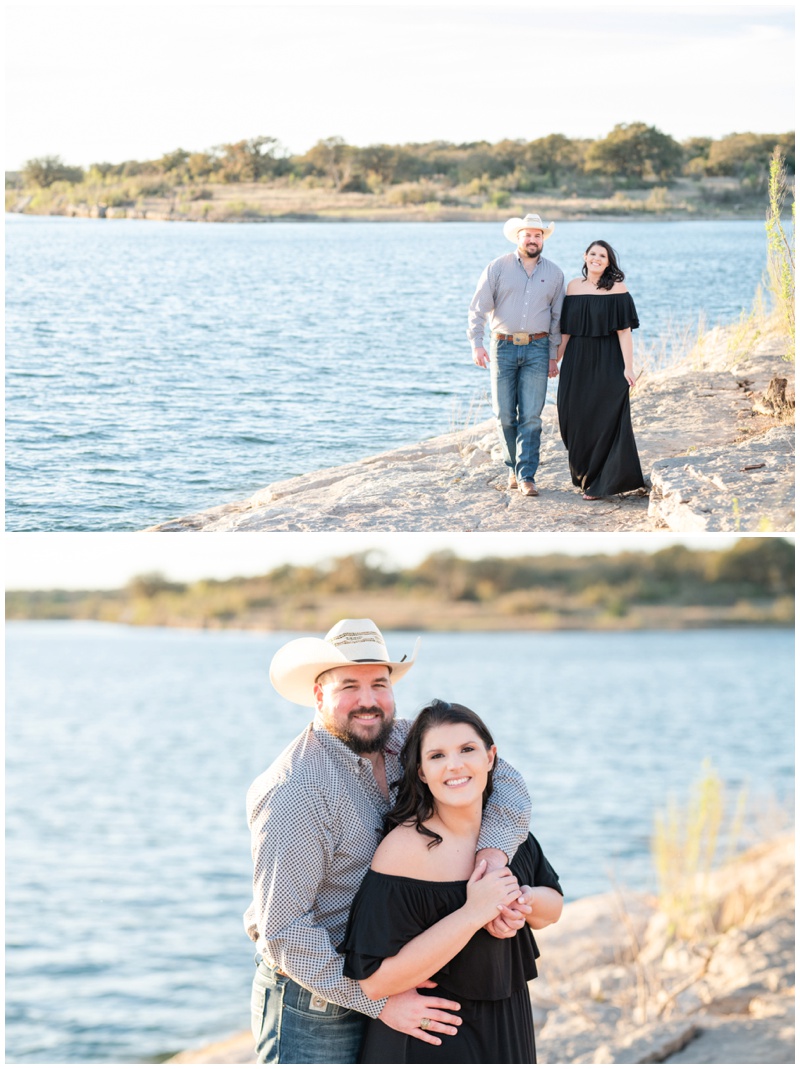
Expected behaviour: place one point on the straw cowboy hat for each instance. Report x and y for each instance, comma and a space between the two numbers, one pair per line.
297, 665
530, 222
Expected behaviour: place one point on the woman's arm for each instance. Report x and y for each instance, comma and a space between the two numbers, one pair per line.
429, 951
546, 905
626, 345
564, 339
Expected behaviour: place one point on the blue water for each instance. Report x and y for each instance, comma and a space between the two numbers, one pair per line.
154, 369
129, 753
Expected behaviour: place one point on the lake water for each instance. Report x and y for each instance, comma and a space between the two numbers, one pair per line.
129, 753
155, 369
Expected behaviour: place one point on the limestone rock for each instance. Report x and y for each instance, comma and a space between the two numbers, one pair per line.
715, 463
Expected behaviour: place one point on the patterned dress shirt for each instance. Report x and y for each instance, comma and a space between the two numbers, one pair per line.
516, 302
316, 818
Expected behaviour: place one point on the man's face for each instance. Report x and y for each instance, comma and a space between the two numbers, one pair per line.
529, 243
356, 704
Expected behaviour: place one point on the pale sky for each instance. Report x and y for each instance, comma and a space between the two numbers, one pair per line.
127, 81
107, 561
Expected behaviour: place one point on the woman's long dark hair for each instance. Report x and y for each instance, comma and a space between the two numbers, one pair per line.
612, 273
415, 802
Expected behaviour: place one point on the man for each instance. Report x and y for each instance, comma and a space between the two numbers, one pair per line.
316, 818
523, 293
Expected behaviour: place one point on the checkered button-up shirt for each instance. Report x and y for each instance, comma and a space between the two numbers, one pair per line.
316, 818
518, 302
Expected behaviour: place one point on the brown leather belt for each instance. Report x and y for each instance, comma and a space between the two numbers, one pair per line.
515, 337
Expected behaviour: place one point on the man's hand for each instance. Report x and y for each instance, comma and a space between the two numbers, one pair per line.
406, 1011
480, 357
511, 918
552, 371
508, 921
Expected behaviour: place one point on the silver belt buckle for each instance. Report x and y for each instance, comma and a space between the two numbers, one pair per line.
521, 339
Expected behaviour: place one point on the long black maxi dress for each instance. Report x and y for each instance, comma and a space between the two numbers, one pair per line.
489, 977
594, 410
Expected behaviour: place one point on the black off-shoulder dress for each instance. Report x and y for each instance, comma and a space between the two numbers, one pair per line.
488, 977
594, 411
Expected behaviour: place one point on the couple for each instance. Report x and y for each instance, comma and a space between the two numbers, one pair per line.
534, 325
408, 947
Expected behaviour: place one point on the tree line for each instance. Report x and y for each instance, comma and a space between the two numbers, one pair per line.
759, 571
631, 155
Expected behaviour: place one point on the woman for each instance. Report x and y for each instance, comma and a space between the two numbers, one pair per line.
594, 411
421, 910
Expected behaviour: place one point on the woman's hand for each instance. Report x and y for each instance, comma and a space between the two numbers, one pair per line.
487, 893
630, 378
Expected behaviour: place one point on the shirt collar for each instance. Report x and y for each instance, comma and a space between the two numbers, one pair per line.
519, 260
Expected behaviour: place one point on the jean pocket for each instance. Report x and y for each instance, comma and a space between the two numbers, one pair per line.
258, 1002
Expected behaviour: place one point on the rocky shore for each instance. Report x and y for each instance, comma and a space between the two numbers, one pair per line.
616, 986
715, 434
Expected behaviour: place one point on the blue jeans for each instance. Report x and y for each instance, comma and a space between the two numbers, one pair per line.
292, 1026
519, 388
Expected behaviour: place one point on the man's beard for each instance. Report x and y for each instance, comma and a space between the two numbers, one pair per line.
360, 744
531, 255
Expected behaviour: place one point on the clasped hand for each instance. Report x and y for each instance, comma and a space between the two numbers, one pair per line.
495, 896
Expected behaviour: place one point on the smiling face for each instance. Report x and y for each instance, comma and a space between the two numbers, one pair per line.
455, 764
596, 260
529, 242
356, 704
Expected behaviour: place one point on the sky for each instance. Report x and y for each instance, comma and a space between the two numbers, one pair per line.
67, 561
122, 81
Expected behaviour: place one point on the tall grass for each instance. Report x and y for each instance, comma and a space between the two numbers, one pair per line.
780, 245
688, 842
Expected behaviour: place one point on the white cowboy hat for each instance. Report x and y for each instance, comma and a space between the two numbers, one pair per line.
530, 222
296, 666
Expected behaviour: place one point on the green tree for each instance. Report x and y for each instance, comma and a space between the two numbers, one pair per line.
202, 164
766, 564
747, 155
635, 150
150, 584
174, 162
333, 158
555, 157
252, 160
695, 155
42, 171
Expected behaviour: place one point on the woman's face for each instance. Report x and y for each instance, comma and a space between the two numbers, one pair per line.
455, 763
596, 259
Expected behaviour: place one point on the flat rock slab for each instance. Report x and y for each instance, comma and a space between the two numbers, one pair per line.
711, 465
745, 487
606, 965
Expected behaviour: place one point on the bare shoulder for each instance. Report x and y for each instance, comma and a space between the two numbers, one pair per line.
619, 287
574, 285
401, 852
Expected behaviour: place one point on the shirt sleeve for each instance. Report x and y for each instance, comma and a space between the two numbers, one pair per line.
555, 318
507, 815
286, 879
481, 305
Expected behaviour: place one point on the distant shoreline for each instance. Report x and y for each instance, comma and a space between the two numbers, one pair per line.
256, 202
391, 216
